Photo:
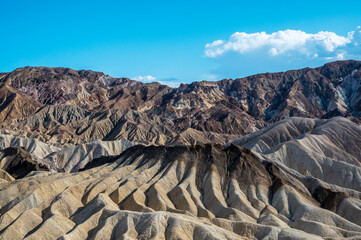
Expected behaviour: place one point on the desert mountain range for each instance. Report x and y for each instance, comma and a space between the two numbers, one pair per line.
84, 155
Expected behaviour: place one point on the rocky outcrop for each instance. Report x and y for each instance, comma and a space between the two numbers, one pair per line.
17, 162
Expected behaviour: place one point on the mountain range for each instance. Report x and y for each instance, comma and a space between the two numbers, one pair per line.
61, 105
84, 155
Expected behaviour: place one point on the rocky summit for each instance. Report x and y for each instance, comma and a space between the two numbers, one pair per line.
84, 155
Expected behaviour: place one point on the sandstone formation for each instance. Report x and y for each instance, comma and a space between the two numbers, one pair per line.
203, 192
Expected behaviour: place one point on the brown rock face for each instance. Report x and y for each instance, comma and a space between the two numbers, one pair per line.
58, 86
80, 106
14, 105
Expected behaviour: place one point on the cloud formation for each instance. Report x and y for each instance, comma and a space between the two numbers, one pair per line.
285, 49
171, 82
147, 78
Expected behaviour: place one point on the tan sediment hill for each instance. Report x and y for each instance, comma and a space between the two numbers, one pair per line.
311, 190
201, 192
342, 132
73, 159
329, 150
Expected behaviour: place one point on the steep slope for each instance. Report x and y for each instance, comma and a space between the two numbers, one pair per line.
307, 92
59, 125
14, 105
344, 135
329, 150
73, 159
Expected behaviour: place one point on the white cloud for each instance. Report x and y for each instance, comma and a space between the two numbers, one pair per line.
280, 43
171, 82
147, 78
248, 53
354, 48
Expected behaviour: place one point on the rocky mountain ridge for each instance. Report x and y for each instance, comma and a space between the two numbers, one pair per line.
80, 106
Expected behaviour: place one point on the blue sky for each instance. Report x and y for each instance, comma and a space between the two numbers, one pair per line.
167, 40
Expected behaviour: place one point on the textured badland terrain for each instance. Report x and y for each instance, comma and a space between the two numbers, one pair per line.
84, 155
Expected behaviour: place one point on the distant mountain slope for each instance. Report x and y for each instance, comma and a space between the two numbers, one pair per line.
76, 107
56, 86
14, 105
